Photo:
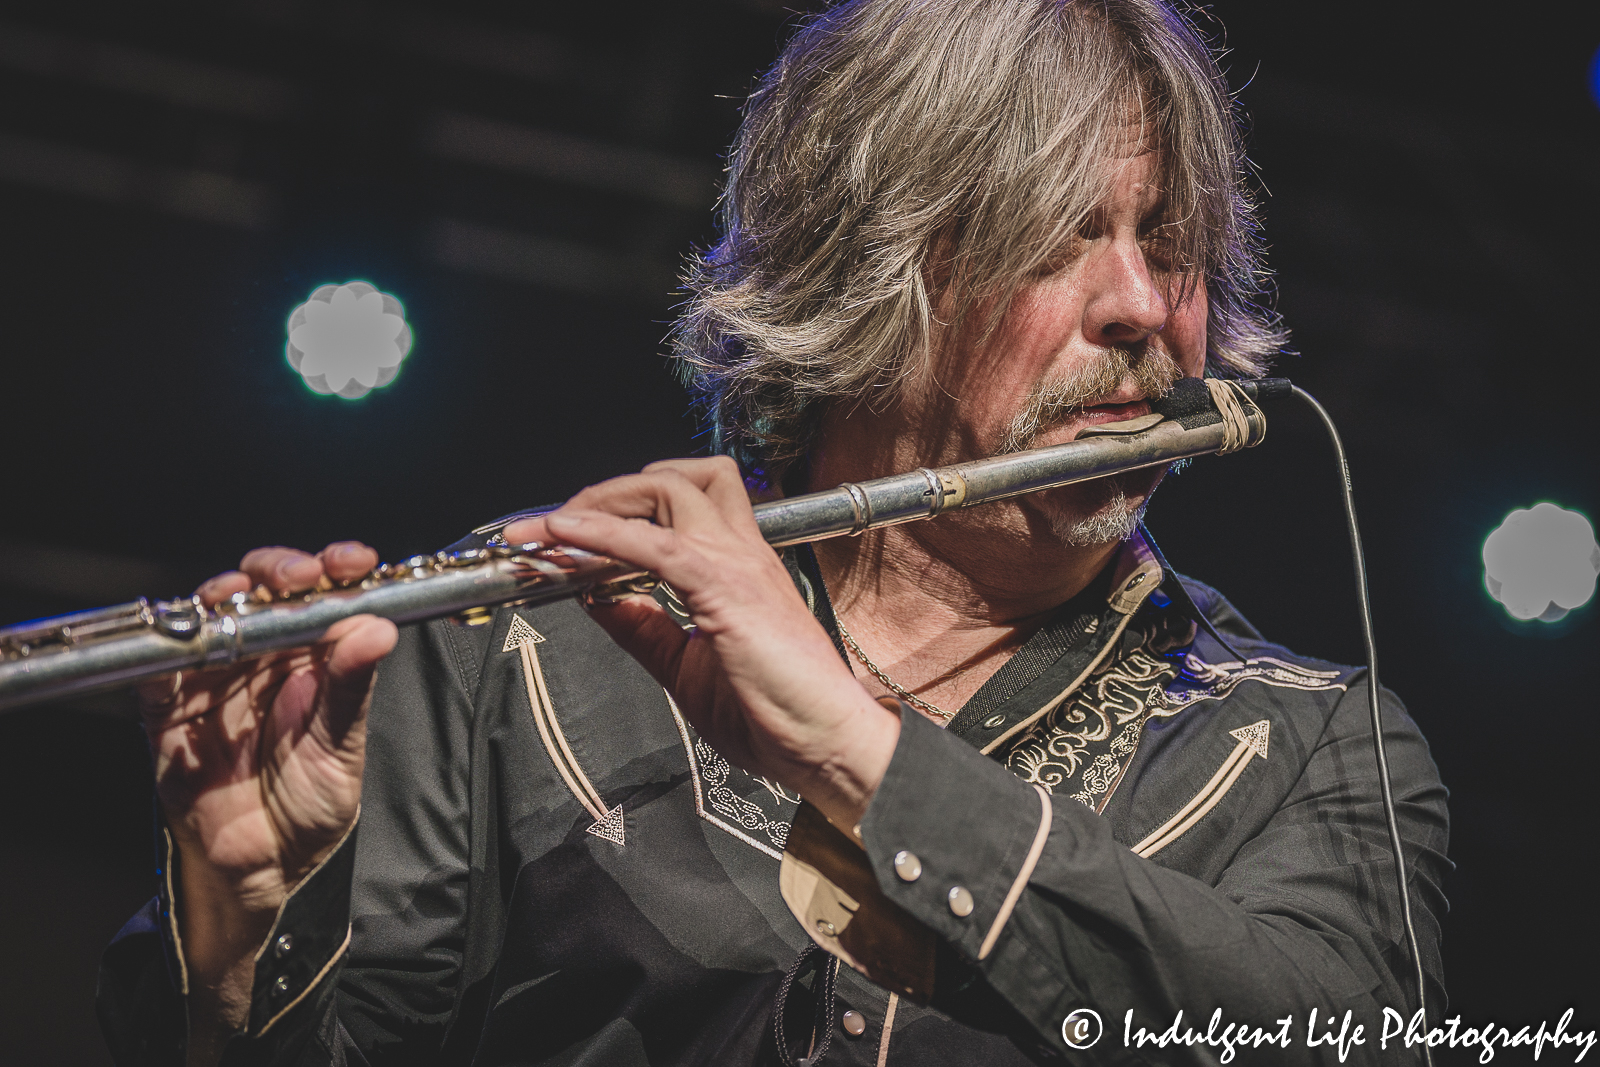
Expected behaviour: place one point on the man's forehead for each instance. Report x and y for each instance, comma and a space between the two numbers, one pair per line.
1134, 168
1132, 137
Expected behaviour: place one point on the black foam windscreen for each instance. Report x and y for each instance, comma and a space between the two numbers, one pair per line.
1189, 400
1190, 404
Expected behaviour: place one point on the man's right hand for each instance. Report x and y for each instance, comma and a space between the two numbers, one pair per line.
258, 771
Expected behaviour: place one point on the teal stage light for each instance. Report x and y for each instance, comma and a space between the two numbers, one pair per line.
347, 340
1541, 563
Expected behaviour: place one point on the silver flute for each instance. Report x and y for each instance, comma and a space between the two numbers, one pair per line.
89, 650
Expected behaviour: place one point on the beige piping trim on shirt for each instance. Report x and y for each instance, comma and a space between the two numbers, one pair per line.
888, 1028
172, 918
607, 824
544, 714
1026, 872
533, 678
1252, 741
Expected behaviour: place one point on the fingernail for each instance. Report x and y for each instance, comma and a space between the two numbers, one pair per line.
299, 568
560, 521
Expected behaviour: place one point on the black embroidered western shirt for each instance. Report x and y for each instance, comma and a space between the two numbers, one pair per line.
1132, 815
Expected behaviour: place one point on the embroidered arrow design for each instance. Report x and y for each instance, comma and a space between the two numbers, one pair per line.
1253, 737
1252, 741
519, 633
608, 824
610, 827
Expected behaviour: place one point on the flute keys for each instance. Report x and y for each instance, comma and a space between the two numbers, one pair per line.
177, 618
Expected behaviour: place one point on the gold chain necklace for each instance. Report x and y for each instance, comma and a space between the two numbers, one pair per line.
878, 672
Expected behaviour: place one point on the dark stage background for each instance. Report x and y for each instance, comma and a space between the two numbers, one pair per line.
177, 176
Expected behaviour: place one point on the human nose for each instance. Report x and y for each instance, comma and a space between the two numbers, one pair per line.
1125, 304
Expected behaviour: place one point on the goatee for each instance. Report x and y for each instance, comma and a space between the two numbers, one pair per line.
1106, 509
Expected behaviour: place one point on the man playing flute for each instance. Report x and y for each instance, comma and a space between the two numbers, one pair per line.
954, 792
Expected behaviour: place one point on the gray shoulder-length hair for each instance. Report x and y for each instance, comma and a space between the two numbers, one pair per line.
903, 144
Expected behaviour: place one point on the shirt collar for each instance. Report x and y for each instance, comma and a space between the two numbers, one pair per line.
1137, 571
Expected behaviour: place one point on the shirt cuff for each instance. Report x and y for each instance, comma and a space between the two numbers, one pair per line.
301, 952
307, 941
947, 847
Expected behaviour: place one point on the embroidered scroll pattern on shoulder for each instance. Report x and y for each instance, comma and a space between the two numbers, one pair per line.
1200, 680
716, 770
1082, 747
755, 810
717, 783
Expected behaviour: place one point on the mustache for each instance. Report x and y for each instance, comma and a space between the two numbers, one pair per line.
1150, 371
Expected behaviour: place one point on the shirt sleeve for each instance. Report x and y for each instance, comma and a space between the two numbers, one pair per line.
363, 959
1030, 908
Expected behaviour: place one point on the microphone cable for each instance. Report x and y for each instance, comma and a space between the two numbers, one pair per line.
1364, 601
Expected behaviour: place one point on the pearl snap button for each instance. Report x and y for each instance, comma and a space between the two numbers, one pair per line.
854, 1024
907, 866
960, 901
